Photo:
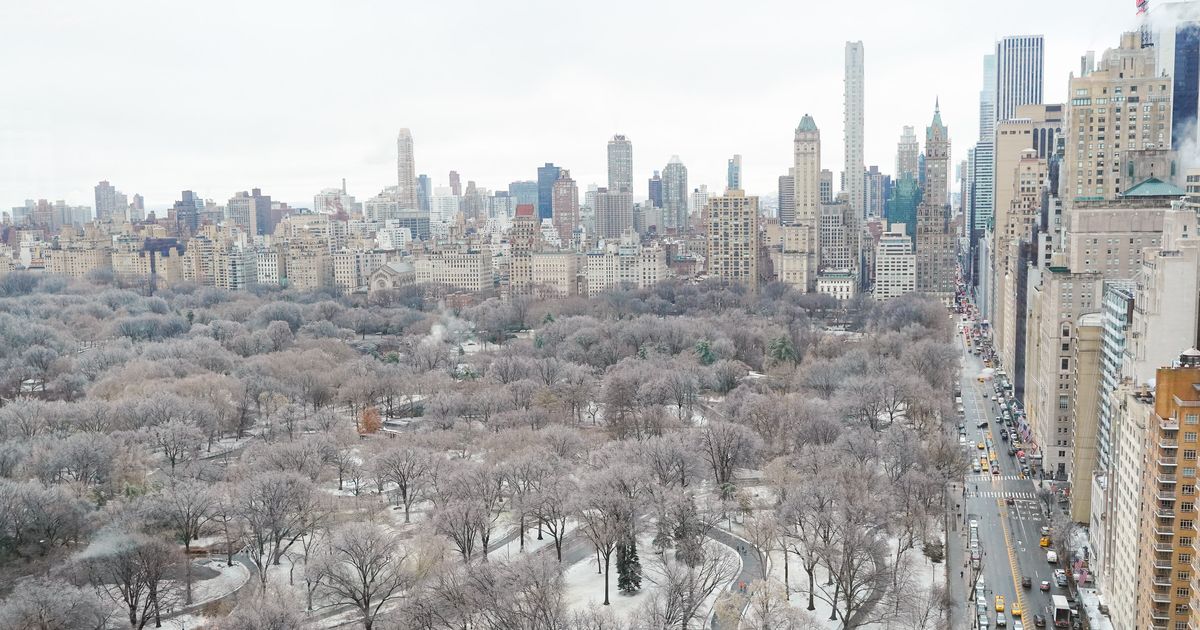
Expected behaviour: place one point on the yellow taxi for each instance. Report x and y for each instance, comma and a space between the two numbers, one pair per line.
1045, 541
983, 463
999, 603
980, 446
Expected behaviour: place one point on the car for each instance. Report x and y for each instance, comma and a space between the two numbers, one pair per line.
983, 621
962, 440
1001, 621
975, 467
1017, 624
1008, 500
1052, 557
981, 603
1045, 541
980, 446
1060, 578
1039, 621
995, 470
1045, 585
999, 603
1026, 582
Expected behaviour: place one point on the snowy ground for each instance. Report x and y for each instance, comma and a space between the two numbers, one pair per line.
584, 587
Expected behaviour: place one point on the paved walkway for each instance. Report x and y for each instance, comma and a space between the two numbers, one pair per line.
752, 569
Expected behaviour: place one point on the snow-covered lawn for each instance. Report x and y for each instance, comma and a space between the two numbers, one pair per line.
227, 580
584, 587
512, 549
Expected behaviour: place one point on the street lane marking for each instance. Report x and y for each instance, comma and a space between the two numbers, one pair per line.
1012, 562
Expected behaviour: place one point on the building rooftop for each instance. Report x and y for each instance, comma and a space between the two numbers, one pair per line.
1154, 187
807, 124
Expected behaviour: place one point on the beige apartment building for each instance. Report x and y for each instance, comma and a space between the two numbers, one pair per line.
1168, 532
462, 268
1135, 411
1085, 366
895, 265
1123, 104
625, 264
733, 239
554, 274
788, 250
1024, 202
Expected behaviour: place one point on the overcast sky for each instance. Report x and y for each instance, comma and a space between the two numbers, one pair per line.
292, 96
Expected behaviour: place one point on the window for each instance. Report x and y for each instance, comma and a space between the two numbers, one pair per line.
1191, 418
1182, 591
1189, 472
1185, 541
1189, 455
1186, 524
1185, 558
1189, 436
1187, 507
1188, 489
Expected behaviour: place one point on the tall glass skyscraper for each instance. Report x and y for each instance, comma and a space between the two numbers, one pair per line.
1019, 65
547, 175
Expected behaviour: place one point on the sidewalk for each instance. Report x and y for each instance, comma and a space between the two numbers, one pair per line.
956, 558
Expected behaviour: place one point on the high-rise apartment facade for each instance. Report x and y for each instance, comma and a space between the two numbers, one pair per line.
565, 205
807, 171
733, 173
787, 198
895, 266
614, 213
620, 165
853, 126
733, 239
111, 204
1123, 104
675, 195
908, 152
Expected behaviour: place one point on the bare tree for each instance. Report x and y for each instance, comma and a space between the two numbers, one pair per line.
184, 507
130, 570
550, 504
179, 440
412, 469
728, 446
368, 568
276, 509
48, 604
683, 588
603, 513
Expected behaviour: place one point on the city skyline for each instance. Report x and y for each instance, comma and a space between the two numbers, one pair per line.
292, 142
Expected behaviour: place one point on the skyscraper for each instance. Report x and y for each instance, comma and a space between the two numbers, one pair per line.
806, 167
936, 264
1175, 34
424, 193
675, 195
655, 189
455, 184
406, 172
620, 165
1018, 73
787, 198
546, 176
733, 173
110, 202
854, 164
524, 192
614, 213
565, 205
908, 151
187, 213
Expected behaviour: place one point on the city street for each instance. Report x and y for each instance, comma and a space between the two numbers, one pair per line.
1009, 535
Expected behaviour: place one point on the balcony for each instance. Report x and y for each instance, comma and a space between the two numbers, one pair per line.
1168, 424
1165, 494
1162, 564
1160, 614
1164, 529
1160, 597
1167, 461
1162, 580
1168, 443
1164, 478
1164, 547
1164, 513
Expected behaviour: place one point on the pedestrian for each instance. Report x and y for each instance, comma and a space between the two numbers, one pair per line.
960, 574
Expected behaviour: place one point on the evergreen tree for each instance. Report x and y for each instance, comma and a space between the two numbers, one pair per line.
629, 567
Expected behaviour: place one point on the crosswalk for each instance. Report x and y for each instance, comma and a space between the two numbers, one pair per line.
1000, 494
1000, 477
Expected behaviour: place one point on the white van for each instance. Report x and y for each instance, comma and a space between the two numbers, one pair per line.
1052, 557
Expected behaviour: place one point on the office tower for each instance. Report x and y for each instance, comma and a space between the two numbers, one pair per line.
524, 192
698, 201
546, 176
655, 188
806, 166
787, 198
978, 201
733, 240
187, 213
1095, 162
445, 205
111, 204
895, 264
474, 202
614, 213
987, 99
854, 165
876, 191
137, 208
620, 165
455, 184
907, 151
733, 173
936, 262
826, 186
522, 241
834, 238
565, 206
242, 212
675, 195
424, 193
1175, 32
406, 172
1018, 73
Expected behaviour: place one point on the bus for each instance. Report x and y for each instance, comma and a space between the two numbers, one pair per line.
1062, 611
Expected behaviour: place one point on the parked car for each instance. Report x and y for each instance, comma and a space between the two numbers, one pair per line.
1060, 578
1001, 620
1026, 582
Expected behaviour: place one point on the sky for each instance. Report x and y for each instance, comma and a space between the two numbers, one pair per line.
291, 97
